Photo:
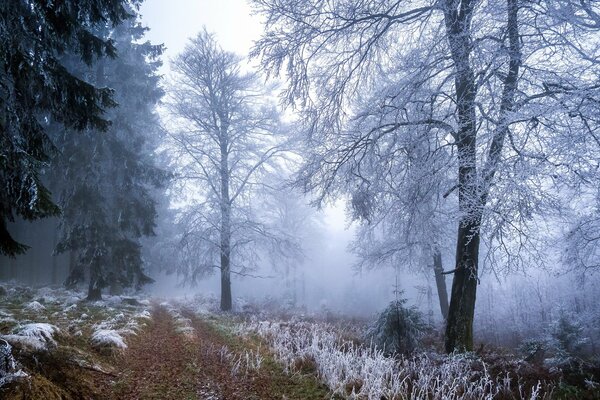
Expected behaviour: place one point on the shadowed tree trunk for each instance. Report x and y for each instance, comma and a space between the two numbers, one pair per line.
95, 284
226, 302
459, 327
474, 189
440, 282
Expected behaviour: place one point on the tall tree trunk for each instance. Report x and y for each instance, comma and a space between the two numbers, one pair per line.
474, 189
440, 282
95, 284
459, 325
226, 302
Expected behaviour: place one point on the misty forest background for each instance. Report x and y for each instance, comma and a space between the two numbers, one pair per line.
461, 139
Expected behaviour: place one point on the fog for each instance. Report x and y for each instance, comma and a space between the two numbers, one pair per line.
411, 186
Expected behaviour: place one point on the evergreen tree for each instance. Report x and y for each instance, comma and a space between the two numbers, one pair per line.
35, 86
107, 177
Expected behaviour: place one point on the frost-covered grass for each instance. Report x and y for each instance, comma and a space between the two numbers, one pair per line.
183, 324
108, 338
56, 329
37, 336
356, 371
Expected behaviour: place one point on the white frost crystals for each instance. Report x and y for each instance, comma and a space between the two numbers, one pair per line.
37, 336
8, 365
103, 338
35, 306
354, 371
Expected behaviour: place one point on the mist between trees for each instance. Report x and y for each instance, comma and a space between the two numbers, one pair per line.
460, 137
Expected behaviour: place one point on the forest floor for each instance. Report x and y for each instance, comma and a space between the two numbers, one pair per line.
170, 353
56, 345
204, 362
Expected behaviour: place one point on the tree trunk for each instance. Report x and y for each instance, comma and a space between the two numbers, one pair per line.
440, 282
459, 325
226, 302
474, 189
94, 287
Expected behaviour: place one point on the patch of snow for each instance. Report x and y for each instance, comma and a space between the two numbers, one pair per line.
70, 308
113, 300
48, 298
72, 300
8, 365
8, 378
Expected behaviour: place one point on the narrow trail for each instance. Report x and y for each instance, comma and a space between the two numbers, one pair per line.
158, 364
163, 363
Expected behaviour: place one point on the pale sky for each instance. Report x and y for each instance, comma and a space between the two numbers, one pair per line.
173, 22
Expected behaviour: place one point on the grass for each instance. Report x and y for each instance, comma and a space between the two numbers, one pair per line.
271, 376
73, 369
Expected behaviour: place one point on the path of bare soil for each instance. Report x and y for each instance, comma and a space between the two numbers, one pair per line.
162, 363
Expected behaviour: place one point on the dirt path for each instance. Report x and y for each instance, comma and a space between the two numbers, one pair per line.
162, 363
158, 364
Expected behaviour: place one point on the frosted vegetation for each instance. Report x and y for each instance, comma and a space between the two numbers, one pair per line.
449, 145
346, 356
50, 321
357, 371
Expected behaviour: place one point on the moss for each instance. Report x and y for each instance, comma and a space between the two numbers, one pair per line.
36, 387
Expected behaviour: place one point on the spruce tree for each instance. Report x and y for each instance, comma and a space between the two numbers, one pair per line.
107, 177
35, 87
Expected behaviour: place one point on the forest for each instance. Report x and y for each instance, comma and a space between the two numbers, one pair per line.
300, 199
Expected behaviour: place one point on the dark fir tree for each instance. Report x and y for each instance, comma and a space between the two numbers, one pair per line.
35, 86
107, 178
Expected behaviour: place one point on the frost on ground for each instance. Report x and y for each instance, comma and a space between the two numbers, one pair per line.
37, 336
355, 371
35, 306
8, 365
103, 338
183, 324
46, 320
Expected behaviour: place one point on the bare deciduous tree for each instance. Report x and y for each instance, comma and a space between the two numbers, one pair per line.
225, 143
498, 83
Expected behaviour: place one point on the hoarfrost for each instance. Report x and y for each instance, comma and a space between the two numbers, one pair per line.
108, 338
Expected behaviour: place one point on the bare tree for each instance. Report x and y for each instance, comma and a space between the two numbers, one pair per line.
225, 142
496, 77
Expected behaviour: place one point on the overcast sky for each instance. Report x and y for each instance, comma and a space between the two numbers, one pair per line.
173, 22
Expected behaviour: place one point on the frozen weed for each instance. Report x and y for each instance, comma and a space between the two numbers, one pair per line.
356, 371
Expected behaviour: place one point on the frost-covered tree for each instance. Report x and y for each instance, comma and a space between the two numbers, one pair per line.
397, 187
225, 140
490, 81
35, 86
290, 217
105, 179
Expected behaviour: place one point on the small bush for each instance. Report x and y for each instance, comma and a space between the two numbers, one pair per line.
568, 335
398, 329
